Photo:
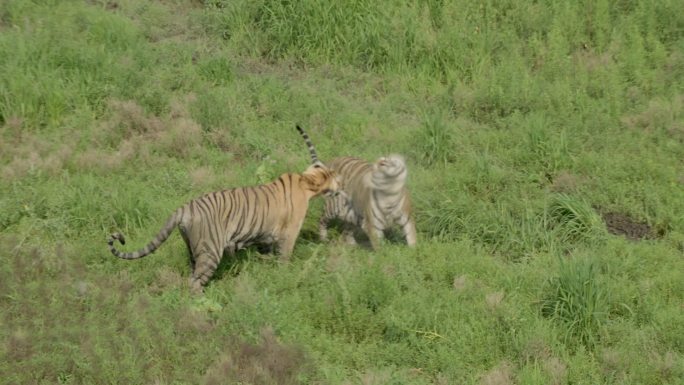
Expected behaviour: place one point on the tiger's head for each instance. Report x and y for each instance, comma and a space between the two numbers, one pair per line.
390, 167
389, 173
319, 179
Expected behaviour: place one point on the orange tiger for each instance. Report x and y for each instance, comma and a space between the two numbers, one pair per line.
229, 220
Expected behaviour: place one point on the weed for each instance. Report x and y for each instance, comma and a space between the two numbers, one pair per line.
444, 219
577, 301
573, 219
435, 144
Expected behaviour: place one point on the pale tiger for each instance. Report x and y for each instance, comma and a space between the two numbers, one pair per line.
373, 197
225, 221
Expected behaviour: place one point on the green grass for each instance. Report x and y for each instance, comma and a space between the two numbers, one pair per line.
521, 121
577, 300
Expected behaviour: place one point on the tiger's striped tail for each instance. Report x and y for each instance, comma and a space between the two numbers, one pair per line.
312, 150
163, 234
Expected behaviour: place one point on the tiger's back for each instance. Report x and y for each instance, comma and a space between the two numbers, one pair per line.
236, 218
353, 174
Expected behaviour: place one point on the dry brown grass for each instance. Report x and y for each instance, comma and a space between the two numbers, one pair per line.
167, 279
660, 114
459, 283
194, 321
375, 377
244, 289
18, 345
536, 350
102, 160
128, 119
564, 182
202, 176
25, 152
612, 363
130, 134
494, 300
337, 259
591, 60
265, 363
182, 139
665, 364
502, 374
224, 139
35, 157
556, 369
160, 23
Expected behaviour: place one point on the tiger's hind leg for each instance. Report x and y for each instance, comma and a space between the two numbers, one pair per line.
338, 207
373, 228
186, 239
205, 266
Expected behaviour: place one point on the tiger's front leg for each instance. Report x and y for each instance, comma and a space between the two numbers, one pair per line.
286, 240
410, 233
285, 247
374, 232
409, 229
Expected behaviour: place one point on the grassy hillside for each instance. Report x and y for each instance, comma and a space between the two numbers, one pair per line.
545, 142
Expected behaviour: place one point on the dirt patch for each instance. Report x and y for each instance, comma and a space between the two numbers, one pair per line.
622, 224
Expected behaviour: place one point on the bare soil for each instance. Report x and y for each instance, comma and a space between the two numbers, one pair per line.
622, 224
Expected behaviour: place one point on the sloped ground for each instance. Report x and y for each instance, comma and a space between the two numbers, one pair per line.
518, 120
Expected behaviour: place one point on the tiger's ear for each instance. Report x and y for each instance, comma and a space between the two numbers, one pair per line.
312, 181
315, 178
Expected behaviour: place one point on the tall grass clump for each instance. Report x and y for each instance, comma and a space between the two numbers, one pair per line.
406, 37
347, 31
445, 216
513, 232
435, 141
577, 301
573, 219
